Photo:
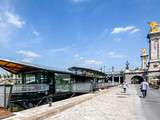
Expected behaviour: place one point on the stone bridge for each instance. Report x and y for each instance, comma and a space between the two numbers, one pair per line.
135, 76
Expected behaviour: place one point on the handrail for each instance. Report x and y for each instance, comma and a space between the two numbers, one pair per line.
22, 88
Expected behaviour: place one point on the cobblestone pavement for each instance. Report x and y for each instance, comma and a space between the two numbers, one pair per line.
111, 104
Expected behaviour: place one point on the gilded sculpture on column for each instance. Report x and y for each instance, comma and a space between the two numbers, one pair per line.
143, 52
153, 27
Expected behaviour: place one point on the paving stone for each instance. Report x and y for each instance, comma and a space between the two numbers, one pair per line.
111, 105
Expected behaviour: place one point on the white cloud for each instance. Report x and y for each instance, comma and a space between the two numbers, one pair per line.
131, 29
115, 55
29, 56
36, 33
77, 56
86, 62
28, 53
135, 30
9, 22
14, 19
27, 60
92, 62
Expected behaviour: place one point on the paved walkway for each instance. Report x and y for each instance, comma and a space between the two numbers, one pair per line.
112, 104
44, 111
151, 104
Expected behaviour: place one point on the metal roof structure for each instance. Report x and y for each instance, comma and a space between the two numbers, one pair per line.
86, 70
21, 67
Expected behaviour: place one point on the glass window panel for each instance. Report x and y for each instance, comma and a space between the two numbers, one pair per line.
62, 82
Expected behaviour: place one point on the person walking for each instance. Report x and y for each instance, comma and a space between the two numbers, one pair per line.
144, 87
125, 86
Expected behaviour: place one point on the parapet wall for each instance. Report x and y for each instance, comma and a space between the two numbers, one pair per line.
44, 111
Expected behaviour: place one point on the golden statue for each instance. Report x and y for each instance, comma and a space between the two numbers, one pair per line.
153, 27
143, 51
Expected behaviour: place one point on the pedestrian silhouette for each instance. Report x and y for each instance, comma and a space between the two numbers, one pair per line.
144, 88
125, 86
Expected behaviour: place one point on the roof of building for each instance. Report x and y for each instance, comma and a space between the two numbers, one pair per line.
86, 70
21, 67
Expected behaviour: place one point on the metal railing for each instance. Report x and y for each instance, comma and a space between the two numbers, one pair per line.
81, 87
101, 85
74, 87
63, 88
23, 88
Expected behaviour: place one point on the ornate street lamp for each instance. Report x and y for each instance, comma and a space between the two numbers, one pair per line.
5, 94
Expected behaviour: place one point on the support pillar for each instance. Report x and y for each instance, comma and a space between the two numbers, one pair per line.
159, 50
112, 79
119, 80
152, 51
144, 58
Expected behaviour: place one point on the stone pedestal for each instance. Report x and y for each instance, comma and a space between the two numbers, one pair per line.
144, 62
154, 53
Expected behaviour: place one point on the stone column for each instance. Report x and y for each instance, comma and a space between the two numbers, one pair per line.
112, 79
152, 51
156, 48
149, 50
119, 80
159, 49
144, 61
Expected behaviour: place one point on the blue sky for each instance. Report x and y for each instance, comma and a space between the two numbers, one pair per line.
64, 33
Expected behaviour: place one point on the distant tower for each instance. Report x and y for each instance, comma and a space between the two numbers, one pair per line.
154, 46
143, 58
